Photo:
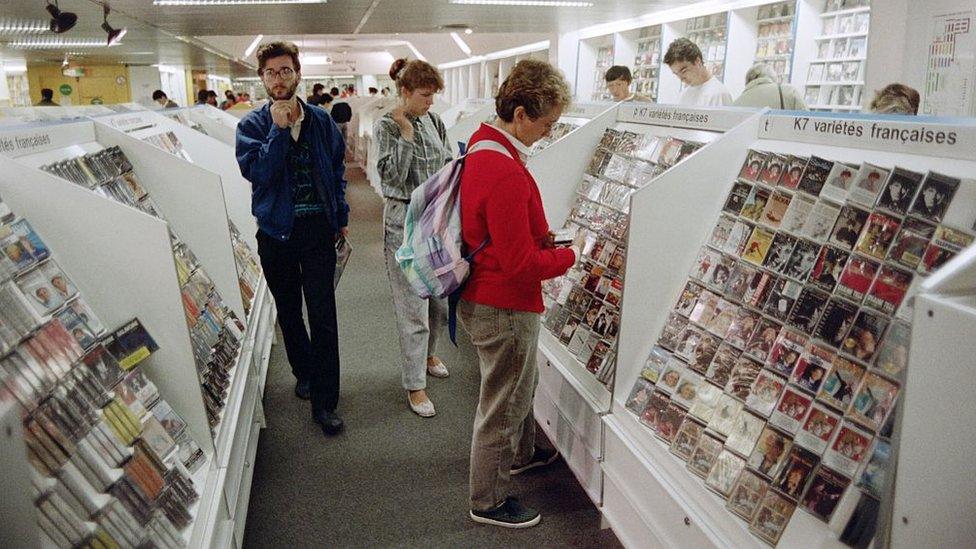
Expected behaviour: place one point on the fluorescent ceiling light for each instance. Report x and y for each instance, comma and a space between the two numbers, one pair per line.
54, 43
23, 26
254, 45
468, 30
231, 2
460, 43
315, 59
536, 3
218, 77
11, 66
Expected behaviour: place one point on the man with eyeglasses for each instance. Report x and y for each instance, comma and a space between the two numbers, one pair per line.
703, 90
292, 153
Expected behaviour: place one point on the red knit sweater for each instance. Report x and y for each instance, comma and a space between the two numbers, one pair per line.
499, 198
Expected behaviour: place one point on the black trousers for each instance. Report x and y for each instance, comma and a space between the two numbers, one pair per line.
305, 264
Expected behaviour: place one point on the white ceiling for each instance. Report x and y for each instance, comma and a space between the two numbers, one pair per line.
322, 28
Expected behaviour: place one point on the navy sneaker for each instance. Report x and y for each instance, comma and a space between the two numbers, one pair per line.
510, 514
303, 390
540, 458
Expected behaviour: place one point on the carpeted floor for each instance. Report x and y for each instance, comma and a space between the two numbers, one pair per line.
391, 479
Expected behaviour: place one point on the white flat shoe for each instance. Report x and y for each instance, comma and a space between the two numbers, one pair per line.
438, 370
424, 409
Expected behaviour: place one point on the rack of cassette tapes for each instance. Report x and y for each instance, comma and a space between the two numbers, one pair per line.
583, 307
777, 370
248, 266
112, 461
215, 331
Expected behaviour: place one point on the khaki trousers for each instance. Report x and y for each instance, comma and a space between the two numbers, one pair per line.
504, 426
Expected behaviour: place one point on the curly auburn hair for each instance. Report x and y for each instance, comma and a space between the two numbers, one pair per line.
416, 74
896, 99
277, 49
534, 85
682, 49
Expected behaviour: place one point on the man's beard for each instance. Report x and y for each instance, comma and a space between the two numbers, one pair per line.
283, 95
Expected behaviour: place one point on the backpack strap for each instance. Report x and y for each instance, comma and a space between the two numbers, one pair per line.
488, 145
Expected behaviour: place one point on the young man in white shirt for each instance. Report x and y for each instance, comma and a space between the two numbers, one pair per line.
685, 61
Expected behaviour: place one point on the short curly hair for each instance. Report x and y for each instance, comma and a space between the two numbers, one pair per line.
416, 74
618, 72
682, 49
896, 99
277, 49
534, 85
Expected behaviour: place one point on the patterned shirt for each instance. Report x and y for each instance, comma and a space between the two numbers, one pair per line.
403, 165
305, 196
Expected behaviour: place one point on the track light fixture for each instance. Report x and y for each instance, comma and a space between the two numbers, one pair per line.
114, 35
61, 21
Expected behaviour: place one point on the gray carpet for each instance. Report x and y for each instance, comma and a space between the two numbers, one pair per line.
391, 479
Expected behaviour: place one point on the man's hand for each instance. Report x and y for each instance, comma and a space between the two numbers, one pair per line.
343, 233
281, 113
399, 115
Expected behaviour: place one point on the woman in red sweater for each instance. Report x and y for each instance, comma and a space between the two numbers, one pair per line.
502, 299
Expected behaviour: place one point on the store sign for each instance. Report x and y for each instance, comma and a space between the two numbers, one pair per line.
683, 117
65, 89
44, 138
906, 135
128, 122
586, 110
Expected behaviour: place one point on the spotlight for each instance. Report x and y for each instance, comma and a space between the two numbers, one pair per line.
61, 21
64, 64
114, 35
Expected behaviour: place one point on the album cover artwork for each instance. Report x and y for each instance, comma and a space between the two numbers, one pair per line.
934, 197
757, 246
721, 232
818, 428
755, 203
836, 321
815, 175
742, 327
874, 479
724, 472
746, 495
888, 289
779, 252
838, 182
656, 361
874, 400
30, 241
807, 310
688, 298
776, 207
857, 278
671, 375
746, 429
724, 414
687, 389
791, 410
656, 406
772, 517
686, 439
828, 268
781, 299
566, 333
802, 259
736, 243
848, 449
743, 376
720, 369
704, 266
704, 455
892, 358
877, 236
820, 221
41, 295
758, 289
737, 197
909, 245
786, 352
797, 213
752, 167
946, 243
640, 395
770, 452
824, 493
899, 190
867, 184
739, 280
765, 392
773, 170
794, 171
812, 368
721, 318
669, 421
763, 339
865, 335
792, 478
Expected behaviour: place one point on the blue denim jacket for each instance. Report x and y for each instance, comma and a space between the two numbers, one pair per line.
261, 150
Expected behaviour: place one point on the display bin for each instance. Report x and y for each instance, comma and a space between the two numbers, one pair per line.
674, 216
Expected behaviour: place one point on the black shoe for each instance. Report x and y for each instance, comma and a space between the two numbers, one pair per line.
303, 390
330, 422
540, 458
510, 514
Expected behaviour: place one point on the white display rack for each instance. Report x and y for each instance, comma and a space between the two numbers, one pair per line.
650, 499
209, 119
571, 401
123, 262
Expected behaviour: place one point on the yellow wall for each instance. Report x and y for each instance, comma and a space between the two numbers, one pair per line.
100, 81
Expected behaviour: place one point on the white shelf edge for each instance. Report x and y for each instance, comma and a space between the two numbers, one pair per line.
209, 482
860, 9
823, 37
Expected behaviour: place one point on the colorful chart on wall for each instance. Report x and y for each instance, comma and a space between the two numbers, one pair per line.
951, 72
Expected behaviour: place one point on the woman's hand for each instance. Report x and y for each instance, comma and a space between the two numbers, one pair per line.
399, 115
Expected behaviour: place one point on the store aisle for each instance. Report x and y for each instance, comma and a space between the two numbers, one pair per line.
391, 479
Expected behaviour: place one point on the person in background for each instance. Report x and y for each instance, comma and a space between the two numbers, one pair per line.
345, 92
212, 98
229, 100
326, 102
244, 98
385, 92
502, 299
704, 90
203, 97
412, 144
293, 155
896, 99
373, 92
618, 80
160, 97
47, 99
762, 90
334, 92
318, 92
